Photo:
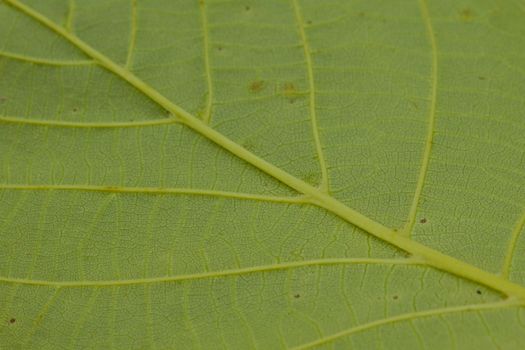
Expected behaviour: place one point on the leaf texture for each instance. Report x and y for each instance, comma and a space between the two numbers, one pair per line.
302, 174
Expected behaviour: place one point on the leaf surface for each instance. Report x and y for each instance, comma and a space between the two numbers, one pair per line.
262, 174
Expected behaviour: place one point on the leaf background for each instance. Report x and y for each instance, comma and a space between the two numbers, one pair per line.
135, 214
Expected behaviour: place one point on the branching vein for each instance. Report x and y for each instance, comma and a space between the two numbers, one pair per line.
324, 186
215, 274
44, 61
155, 191
511, 250
70, 15
411, 316
68, 124
205, 37
132, 34
431, 121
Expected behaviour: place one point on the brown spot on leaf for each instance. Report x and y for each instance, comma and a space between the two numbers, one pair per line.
395, 297
256, 86
297, 296
290, 91
466, 14
12, 320
289, 88
478, 292
423, 220
219, 48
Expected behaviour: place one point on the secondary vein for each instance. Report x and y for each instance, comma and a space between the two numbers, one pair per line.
324, 186
206, 53
132, 34
156, 191
409, 316
515, 235
101, 125
431, 121
45, 61
214, 274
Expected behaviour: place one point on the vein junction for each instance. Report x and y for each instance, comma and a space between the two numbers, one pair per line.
312, 194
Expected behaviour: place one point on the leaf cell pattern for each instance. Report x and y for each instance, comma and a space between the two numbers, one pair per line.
262, 174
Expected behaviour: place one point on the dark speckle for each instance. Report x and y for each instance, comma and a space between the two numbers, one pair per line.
75, 109
478, 292
256, 86
219, 48
309, 22
12, 320
482, 78
290, 91
423, 220
247, 8
466, 15
395, 297
297, 296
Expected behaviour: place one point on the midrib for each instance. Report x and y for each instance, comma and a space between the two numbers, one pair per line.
314, 196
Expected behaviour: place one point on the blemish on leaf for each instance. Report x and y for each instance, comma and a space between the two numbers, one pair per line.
466, 14
309, 22
12, 320
247, 8
256, 86
423, 221
3, 99
219, 48
290, 91
75, 109
482, 78
297, 296
289, 88
395, 297
478, 292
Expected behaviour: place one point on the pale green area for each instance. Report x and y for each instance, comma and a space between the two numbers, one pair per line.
124, 226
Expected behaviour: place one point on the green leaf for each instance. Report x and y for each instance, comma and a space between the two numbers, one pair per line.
262, 174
